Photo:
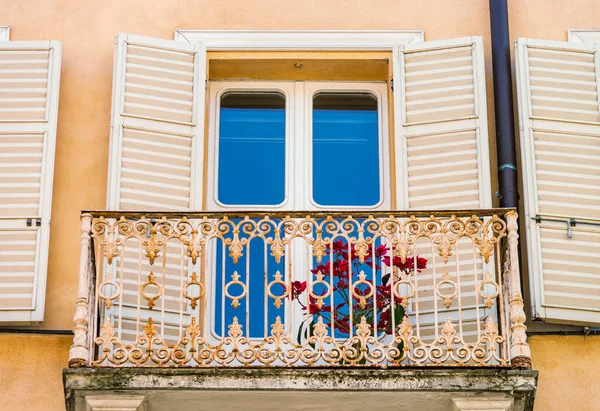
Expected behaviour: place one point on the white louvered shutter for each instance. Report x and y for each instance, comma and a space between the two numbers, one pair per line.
157, 140
442, 159
29, 84
441, 125
560, 146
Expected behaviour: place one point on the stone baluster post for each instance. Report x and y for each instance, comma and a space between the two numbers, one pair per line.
79, 352
520, 353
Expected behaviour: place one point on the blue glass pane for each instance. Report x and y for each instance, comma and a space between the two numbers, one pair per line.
345, 150
252, 149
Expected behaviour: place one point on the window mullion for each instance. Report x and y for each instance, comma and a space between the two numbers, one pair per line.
299, 160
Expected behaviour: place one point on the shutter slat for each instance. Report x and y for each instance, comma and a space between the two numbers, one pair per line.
563, 262
149, 68
15, 67
21, 155
446, 76
169, 157
548, 67
17, 268
429, 158
575, 158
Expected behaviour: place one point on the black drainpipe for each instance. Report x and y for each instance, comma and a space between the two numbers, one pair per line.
503, 105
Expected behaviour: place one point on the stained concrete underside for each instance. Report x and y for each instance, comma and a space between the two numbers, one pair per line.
231, 389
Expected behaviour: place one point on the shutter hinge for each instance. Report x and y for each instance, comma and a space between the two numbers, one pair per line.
392, 84
205, 84
31, 222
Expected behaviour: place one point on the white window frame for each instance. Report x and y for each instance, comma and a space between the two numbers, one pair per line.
584, 36
300, 40
4, 33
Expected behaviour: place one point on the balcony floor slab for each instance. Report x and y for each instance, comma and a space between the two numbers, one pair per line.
318, 389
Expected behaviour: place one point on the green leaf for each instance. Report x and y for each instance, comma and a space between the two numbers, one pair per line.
398, 315
299, 336
398, 318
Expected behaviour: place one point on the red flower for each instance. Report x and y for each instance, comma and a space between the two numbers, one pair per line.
343, 267
323, 268
421, 263
384, 297
338, 246
298, 287
343, 324
385, 322
341, 284
313, 307
408, 265
381, 251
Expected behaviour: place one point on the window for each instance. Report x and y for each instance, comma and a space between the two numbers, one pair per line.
298, 145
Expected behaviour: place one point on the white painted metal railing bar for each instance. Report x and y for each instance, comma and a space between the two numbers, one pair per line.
266, 285
500, 301
121, 259
350, 293
475, 284
374, 273
182, 279
460, 296
223, 261
415, 276
434, 288
247, 313
290, 275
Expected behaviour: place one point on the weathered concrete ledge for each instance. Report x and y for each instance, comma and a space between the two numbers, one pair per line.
494, 379
514, 383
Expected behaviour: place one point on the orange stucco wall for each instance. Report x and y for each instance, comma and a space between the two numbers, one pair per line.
31, 371
569, 372
30, 365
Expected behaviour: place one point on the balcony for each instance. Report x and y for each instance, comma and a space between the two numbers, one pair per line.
177, 309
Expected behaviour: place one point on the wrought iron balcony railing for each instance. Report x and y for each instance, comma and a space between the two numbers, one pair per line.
380, 289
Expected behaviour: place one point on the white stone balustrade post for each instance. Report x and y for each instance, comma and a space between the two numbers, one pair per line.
79, 352
520, 354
